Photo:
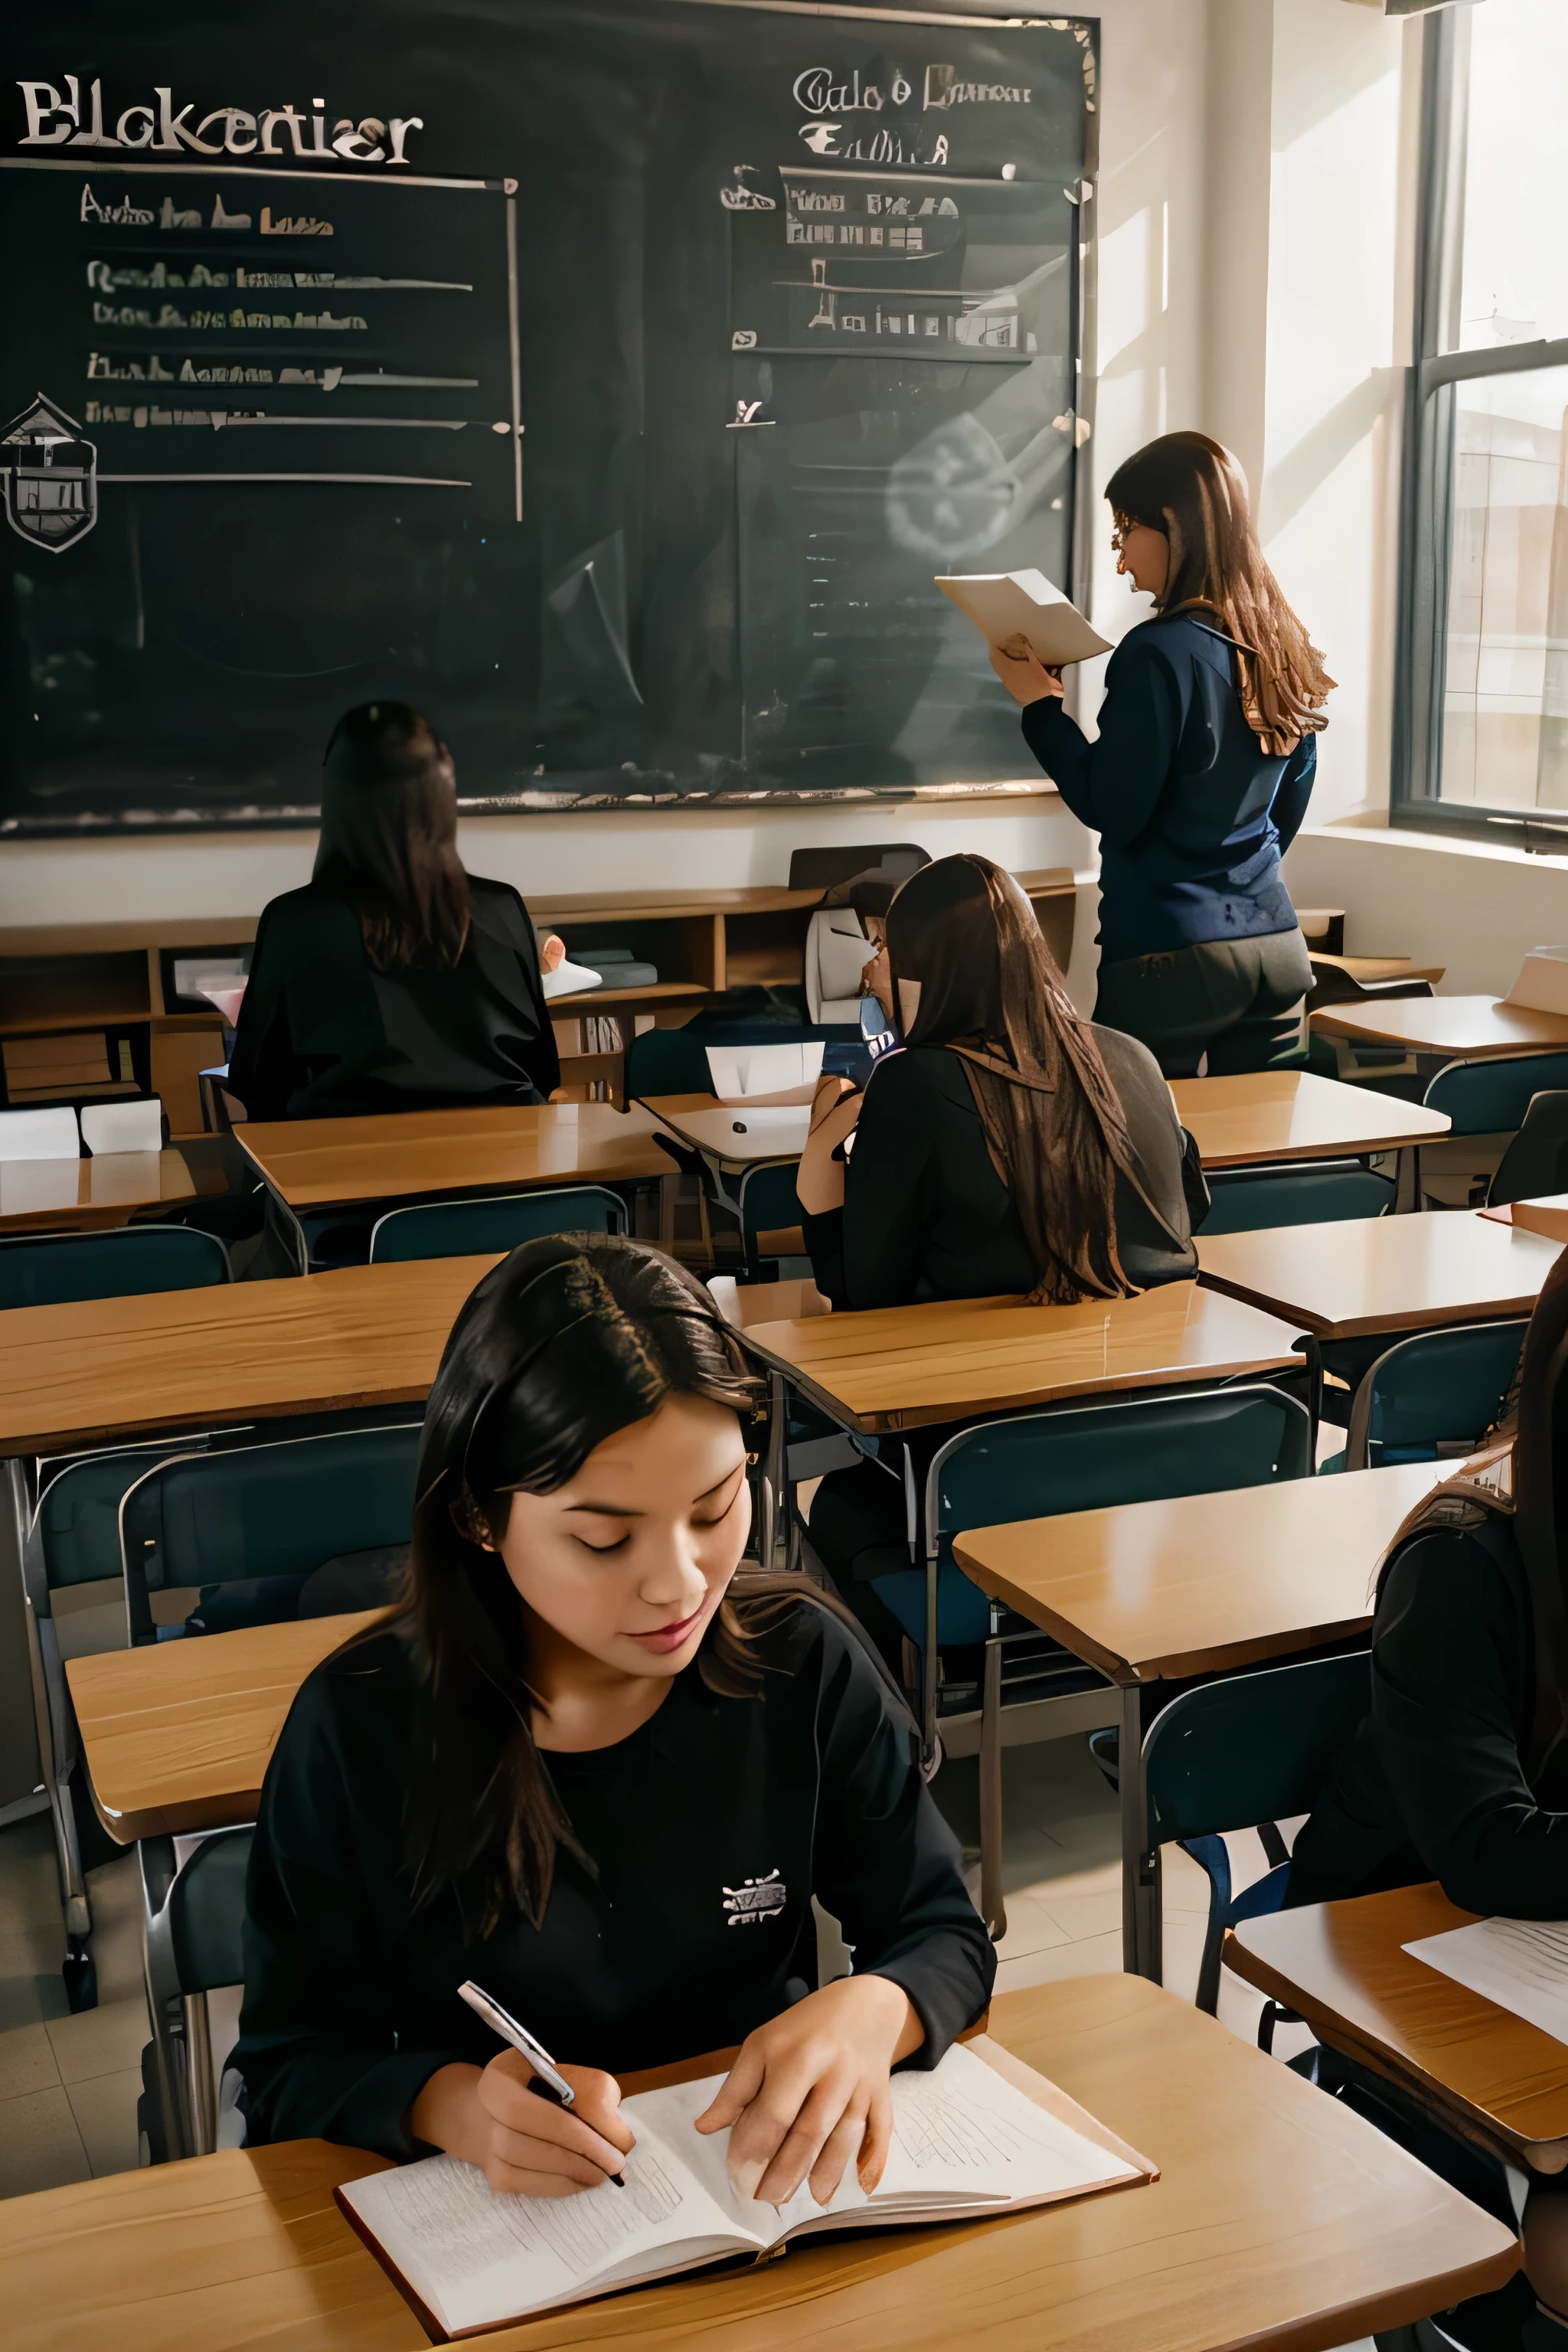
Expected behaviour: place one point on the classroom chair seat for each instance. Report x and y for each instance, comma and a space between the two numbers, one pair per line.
1245, 1752
1536, 1161
1247, 1200
193, 1916
1434, 1396
470, 1228
56, 1269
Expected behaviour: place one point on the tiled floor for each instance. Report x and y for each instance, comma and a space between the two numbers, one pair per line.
69, 2086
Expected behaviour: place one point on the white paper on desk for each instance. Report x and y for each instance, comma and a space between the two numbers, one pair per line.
1520, 1964
1004, 604
756, 1074
570, 980
1542, 982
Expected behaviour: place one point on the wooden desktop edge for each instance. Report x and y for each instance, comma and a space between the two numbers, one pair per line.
1546, 2156
1363, 1327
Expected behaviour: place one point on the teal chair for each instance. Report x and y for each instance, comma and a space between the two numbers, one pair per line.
56, 1269
73, 1540
1435, 1395
666, 1062
1244, 1753
254, 1527
193, 1919
1536, 1161
1081, 1458
1491, 1098
769, 1203
470, 1228
1246, 1200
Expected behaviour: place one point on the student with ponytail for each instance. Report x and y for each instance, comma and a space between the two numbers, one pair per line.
1201, 775
588, 1766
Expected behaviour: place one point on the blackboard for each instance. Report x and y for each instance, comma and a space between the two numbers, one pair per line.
608, 377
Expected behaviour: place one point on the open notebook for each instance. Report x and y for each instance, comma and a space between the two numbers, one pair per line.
980, 2133
1007, 604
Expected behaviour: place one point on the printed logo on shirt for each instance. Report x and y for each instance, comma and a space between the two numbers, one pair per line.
757, 1899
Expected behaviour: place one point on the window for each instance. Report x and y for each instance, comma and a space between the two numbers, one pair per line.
1481, 739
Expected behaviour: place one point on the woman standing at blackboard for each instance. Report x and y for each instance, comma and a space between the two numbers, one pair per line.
394, 980
1201, 775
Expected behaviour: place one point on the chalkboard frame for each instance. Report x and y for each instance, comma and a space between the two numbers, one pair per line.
300, 815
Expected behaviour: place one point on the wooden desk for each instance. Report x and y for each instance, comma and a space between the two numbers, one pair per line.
906, 1368
1295, 1115
1486, 2074
1448, 1025
177, 1736
319, 1163
86, 1195
1199, 1584
106, 1368
1373, 1274
1278, 2215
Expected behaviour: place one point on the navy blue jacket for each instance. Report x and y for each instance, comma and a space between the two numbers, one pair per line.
1190, 812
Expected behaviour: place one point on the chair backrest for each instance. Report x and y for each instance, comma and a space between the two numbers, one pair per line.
1536, 1161
819, 870
40, 1134
74, 1538
206, 1913
264, 1511
1251, 1747
769, 1203
666, 1062
1490, 1098
1440, 1389
469, 1228
51, 1270
1245, 1202
1195, 1442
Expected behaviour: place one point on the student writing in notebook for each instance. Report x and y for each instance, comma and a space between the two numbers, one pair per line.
1200, 777
1461, 1771
585, 1767
394, 980
1010, 1147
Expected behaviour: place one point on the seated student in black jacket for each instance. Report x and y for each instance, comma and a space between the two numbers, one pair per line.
1010, 1147
1461, 1771
586, 1770
394, 980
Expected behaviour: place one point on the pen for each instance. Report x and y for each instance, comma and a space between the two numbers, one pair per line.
502, 2022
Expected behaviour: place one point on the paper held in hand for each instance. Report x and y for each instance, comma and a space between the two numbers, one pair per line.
1007, 604
980, 2133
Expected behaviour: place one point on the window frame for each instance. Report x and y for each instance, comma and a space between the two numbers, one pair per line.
1426, 543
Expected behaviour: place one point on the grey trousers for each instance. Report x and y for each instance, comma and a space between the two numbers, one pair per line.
1238, 1001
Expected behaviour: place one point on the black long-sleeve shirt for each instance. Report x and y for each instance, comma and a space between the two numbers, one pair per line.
926, 1215
1433, 1786
322, 1034
709, 1830
1193, 815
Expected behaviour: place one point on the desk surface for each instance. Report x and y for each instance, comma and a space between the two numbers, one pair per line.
1486, 2072
731, 1133
81, 1195
316, 1163
177, 1736
1445, 1024
1202, 1583
906, 1367
1368, 1275
1295, 1115
109, 1368
1278, 2215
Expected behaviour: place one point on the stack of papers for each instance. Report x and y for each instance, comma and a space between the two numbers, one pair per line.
755, 1075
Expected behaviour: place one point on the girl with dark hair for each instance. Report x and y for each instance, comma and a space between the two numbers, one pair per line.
1010, 1148
394, 980
1200, 778
587, 1766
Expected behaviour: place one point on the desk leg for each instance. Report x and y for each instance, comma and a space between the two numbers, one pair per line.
22, 1716
1313, 1353
774, 1473
1407, 1180
993, 1903
1142, 1905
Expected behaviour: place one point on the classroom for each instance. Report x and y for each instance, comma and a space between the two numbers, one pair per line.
783, 1176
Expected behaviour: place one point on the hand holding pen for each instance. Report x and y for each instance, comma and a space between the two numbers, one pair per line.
534, 2128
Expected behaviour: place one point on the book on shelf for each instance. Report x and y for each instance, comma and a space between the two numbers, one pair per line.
980, 2133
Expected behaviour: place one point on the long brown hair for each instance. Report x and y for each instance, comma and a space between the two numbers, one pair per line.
569, 1339
991, 991
1195, 491
389, 836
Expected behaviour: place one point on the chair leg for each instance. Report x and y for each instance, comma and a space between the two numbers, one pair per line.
201, 2093
1208, 1967
1274, 2013
993, 1906
1142, 1923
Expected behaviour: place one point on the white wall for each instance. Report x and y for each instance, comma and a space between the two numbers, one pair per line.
1470, 907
